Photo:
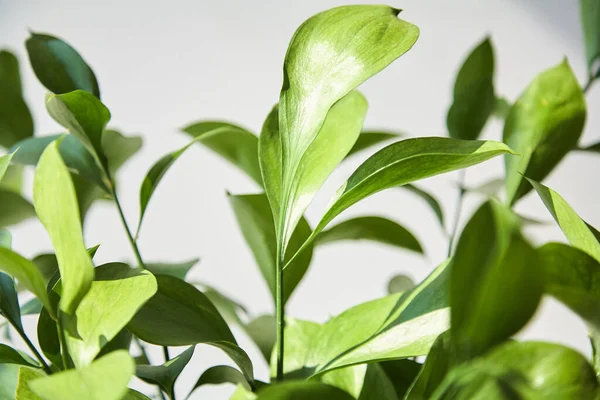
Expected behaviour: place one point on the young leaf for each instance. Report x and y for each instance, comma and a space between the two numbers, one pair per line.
575, 229
368, 139
590, 18
543, 125
221, 374
256, 222
165, 375
105, 379
397, 326
373, 228
494, 285
15, 119
8, 355
56, 205
117, 293
159, 321
474, 97
58, 66
235, 144
178, 270
302, 390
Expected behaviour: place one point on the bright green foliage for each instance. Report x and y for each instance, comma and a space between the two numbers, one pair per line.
165, 375
221, 374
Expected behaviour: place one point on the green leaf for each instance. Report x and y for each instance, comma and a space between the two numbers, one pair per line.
543, 125
105, 379
590, 18
13, 179
56, 206
401, 373
47, 333
14, 209
84, 116
4, 163
431, 201
501, 108
221, 374
26, 375
8, 355
368, 139
58, 66
363, 382
118, 148
15, 119
117, 293
166, 374
593, 148
135, 395
256, 223
575, 229
404, 162
9, 377
397, 326
159, 321
9, 300
262, 330
436, 366
400, 284
26, 273
122, 341
490, 188
228, 308
235, 144
178, 270
302, 390
494, 285
241, 393
299, 336
377, 229
474, 98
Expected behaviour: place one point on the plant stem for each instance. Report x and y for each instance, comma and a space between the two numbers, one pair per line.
34, 351
457, 212
142, 348
132, 241
588, 84
280, 315
63, 346
166, 353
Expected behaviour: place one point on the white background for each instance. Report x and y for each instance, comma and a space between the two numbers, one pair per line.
162, 65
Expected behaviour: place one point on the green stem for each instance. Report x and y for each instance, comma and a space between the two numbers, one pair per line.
34, 351
132, 241
280, 315
142, 348
457, 212
588, 84
166, 353
63, 346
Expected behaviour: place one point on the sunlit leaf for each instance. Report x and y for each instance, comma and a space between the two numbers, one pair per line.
474, 98
26, 375
56, 206
159, 321
302, 390
368, 139
543, 125
256, 223
13, 179
58, 66
8, 355
105, 379
165, 375
15, 119
221, 374
178, 270
590, 18
4, 163
377, 229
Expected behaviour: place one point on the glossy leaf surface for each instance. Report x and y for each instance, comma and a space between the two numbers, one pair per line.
166, 374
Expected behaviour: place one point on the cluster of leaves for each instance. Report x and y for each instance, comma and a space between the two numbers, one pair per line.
461, 317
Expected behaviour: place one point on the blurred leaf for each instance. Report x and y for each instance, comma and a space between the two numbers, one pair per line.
221, 374
433, 203
590, 18
262, 330
105, 379
235, 144
575, 229
135, 395
241, 393
256, 223
47, 334
178, 270
15, 119
397, 326
58, 66
4, 163
436, 366
495, 284
166, 374
543, 125
363, 382
373, 228
56, 206
302, 390
14, 209
490, 188
368, 139
9, 301
117, 293
228, 308
594, 148
33, 306
501, 108
27, 375
474, 98
118, 148
400, 284
13, 179
8, 355
401, 373
9, 377
159, 321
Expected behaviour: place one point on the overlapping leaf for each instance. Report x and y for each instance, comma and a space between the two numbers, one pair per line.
165, 375
16, 122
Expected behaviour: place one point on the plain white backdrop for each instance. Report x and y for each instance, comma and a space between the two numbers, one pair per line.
162, 65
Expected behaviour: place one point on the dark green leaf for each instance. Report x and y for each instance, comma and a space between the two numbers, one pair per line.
135, 395
14, 209
262, 331
221, 374
9, 301
543, 125
373, 228
501, 108
9, 71
118, 148
302, 390
159, 321
594, 148
58, 66
433, 203
166, 374
434, 370
368, 139
474, 98
120, 342
494, 286
401, 373
8, 355
590, 18
15, 119
400, 284
47, 333
235, 144
178, 270
256, 223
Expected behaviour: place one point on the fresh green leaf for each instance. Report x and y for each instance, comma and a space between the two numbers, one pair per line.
4, 163
543, 125
299, 335
47, 333
400, 284
105, 379
159, 321
474, 98
368, 139
58, 66
221, 374
575, 229
590, 18
8, 355
262, 330
401, 373
436, 366
494, 284
15, 119
235, 144
363, 382
165, 375
433, 203
241, 393
56, 206
14, 209
118, 148
9, 378
377, 229
302, 390
501, 108
117, 293
256, 222
397, 326
178, 270
13, 179
26, 375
